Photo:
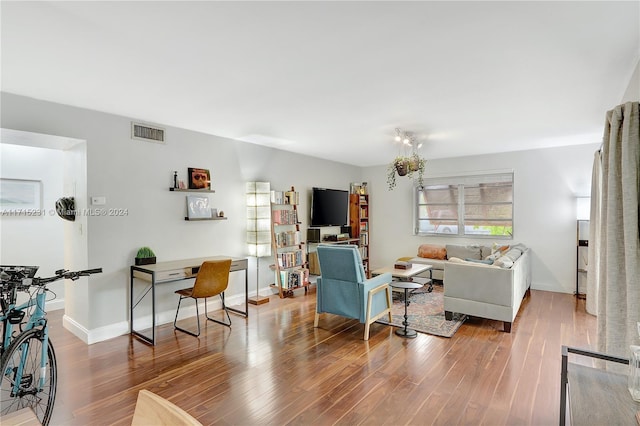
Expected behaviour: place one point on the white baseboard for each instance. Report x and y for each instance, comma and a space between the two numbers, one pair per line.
187, 310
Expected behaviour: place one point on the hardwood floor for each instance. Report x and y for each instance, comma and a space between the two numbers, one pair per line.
275, 368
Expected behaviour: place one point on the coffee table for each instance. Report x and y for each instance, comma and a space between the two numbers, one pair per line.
409, 275
405, 279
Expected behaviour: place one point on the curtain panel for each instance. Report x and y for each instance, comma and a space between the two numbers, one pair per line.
618, 247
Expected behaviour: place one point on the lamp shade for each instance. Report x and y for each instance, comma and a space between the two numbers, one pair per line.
583, 208
258, 196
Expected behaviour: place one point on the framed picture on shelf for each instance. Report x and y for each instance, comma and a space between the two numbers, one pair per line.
198, 207
199, 178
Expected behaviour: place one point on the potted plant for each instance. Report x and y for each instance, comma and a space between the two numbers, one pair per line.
145, 256
406, 166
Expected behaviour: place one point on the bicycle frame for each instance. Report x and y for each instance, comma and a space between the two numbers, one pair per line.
36, 319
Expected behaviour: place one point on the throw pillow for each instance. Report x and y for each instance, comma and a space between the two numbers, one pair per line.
463, 252
432, 251
503, 262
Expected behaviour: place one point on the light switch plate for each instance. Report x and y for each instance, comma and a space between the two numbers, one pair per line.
98, 201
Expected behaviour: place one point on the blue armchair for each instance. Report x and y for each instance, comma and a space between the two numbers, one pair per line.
343, 289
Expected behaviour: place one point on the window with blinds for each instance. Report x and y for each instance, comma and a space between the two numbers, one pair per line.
477, 205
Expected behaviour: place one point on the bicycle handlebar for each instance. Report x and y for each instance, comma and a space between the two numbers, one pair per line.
69, 275
18, 279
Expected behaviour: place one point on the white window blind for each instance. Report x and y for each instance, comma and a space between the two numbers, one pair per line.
477, 205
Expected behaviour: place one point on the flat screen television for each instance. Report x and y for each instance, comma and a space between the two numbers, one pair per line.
329, 207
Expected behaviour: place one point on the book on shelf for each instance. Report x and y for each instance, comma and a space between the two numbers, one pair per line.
287, 238
285, 197
364, 238
284, 217
290, 259
294, 278
364, 252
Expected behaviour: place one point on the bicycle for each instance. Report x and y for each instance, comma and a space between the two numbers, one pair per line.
28, 369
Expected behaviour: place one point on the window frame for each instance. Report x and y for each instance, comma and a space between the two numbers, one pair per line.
460, 181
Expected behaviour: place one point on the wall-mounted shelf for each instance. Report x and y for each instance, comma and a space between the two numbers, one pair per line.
205, 218
204, 191
190, 190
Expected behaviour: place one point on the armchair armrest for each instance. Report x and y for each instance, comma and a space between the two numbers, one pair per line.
378, 300
376, 281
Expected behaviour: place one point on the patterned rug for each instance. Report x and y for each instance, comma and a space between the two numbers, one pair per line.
425, 312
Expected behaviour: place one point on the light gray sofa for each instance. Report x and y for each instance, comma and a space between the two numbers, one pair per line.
437, 256
487, 291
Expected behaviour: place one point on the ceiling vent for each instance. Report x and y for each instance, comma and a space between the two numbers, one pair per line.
145, 132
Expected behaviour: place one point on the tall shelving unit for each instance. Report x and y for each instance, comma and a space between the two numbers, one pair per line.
359, 222
582, 257
290, 266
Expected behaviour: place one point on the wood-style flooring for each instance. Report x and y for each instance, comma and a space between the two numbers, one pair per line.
275, 368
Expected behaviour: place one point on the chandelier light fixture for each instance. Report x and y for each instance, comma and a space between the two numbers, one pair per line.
407, 138
407, 162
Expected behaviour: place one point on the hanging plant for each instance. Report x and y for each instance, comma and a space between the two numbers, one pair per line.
406, 166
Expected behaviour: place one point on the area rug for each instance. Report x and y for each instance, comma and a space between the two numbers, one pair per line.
425, 312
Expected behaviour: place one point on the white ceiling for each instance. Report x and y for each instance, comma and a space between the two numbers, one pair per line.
334, 79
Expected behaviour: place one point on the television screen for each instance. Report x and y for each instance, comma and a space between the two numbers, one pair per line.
329, 207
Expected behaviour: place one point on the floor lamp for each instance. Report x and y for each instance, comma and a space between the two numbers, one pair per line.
258, 228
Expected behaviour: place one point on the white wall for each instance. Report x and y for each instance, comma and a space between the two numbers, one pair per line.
35, 240
136, 175
546, 184
632, 94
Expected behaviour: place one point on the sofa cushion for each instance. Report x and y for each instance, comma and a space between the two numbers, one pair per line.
463, 252
513, 254
432, 251
504, 262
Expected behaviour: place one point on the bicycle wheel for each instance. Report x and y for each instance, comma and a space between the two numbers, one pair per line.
26, 350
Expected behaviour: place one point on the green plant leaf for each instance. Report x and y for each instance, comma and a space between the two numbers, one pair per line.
144, 252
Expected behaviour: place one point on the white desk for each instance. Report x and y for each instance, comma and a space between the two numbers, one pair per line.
176, 270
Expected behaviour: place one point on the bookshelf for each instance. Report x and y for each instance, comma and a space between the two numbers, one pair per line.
290, 258
359, 222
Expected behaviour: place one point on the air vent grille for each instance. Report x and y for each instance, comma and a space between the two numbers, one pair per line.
144, 132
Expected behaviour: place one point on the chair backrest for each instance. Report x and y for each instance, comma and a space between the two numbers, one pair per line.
341, 262
212, 278
152, 409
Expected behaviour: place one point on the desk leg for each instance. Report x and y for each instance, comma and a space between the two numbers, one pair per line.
131, 302
246, 298
151, 340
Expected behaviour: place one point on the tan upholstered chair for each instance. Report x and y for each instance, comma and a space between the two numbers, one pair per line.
212, 280
152, 409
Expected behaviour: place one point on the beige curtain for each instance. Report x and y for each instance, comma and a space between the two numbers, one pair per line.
594, 236
618, 261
